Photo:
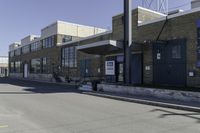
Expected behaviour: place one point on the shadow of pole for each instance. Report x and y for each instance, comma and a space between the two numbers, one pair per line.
170, 113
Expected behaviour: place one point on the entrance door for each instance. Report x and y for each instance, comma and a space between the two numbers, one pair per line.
25, 70
169, 61
136, 69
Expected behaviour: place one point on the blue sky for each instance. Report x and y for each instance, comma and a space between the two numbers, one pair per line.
20, 18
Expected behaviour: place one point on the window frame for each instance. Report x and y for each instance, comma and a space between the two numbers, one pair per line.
69, 57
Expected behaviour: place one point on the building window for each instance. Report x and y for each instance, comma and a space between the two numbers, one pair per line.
12, 53
26, 49
12, 67
176, 52
66, 39
69, 57
18, 52
48, 42
35, 66
18, 67
36, 46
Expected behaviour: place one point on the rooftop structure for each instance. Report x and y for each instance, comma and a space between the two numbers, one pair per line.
195, 3
59, 28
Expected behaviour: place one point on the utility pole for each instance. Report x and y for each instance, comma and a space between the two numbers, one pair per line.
127, 40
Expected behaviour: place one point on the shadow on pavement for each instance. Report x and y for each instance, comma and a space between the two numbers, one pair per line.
30, 87
16, 92
171, 113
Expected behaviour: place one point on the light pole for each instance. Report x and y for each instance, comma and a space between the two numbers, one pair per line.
127, 40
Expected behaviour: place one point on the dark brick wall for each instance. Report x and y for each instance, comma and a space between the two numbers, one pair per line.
176, 28
179, 27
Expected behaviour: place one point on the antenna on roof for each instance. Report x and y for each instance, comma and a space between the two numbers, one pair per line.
156, 5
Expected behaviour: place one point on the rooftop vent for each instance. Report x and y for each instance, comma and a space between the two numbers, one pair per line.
195, 3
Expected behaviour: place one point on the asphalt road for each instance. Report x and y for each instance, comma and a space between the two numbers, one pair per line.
30, 107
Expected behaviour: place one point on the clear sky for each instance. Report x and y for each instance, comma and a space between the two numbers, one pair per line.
19, 18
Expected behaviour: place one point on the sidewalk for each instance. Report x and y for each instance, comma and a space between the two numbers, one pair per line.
194, 107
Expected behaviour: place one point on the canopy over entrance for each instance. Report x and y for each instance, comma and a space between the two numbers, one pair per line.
101, 47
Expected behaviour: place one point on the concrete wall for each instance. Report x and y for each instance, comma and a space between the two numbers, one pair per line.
35, 77
41, 77
16, 75
195, 4
49, 30
28, 39
77, 30
178, 96
70, 29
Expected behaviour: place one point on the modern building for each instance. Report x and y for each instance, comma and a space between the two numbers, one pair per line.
165, 51
3, 66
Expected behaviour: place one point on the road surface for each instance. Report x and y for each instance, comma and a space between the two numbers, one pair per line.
30, 107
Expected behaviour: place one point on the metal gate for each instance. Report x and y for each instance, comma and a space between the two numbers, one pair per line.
169, 63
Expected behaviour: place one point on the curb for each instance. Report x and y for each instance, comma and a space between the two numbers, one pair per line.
146, 102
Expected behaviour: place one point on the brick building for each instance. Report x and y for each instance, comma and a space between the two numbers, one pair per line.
165, 51
39, 57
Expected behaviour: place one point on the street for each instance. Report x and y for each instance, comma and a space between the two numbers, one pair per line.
32, 107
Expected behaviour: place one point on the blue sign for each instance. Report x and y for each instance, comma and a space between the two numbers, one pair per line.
110, 67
